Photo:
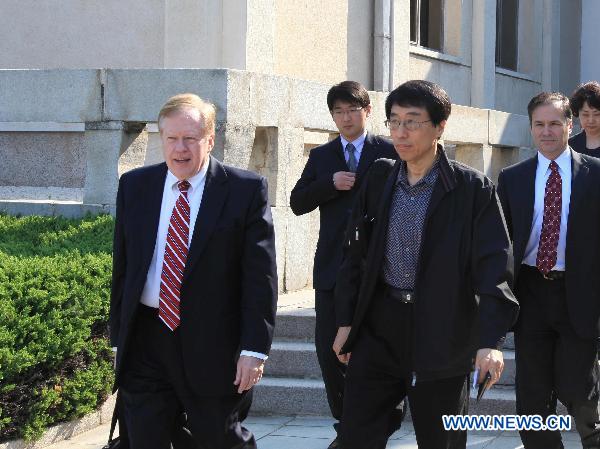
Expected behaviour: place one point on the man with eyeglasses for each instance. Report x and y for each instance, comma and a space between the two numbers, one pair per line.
424, 287
330, 180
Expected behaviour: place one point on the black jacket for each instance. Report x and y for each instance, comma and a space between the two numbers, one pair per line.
579, 144
463, 299
516, 188
315, 189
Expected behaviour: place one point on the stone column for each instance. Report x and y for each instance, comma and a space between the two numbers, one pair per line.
234, 144
483, 51
296, 239
551, 45
400, 42
590, 36
104, 143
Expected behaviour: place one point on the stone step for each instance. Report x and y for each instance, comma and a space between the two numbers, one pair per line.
293, 359
510, 341
296, 325
299, 359
293, 396
508, 375
290, 396
296, 316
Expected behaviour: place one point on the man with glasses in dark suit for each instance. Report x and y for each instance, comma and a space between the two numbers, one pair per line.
330, 180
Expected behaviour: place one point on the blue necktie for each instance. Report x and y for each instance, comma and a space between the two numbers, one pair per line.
351, 157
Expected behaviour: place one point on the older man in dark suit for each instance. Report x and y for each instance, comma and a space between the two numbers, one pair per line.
194, 287
552, 208
330, 181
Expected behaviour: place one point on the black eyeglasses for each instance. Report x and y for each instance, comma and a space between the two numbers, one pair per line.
410, 125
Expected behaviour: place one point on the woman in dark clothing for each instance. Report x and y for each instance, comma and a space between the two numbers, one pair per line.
585, 103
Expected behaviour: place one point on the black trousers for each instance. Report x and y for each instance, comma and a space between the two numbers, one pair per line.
379, 376
553, 362
181, 438
332, 370
155, 391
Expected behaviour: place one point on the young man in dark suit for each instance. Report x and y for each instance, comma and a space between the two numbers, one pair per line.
194, 287
330, 180
552, 207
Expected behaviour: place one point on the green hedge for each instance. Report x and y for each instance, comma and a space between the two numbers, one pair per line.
55, 363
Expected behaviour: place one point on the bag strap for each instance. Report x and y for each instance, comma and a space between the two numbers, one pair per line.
115, 417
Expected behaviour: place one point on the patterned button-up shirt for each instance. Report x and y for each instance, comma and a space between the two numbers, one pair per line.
405, 227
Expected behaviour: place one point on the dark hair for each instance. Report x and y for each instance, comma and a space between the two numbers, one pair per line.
585, 93
421, 94
545, 98
349, 92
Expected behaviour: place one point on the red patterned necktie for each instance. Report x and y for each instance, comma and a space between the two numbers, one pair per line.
176, 251
548, 245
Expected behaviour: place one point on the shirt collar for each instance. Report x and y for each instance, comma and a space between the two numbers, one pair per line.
194, 181
429, 178
563, 161
358, 143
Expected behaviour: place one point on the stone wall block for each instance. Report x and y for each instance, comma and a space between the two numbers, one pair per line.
509, 130
50, 95
137, 95
467, 125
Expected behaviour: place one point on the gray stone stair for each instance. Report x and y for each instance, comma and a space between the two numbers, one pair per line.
290, 396
293, 359
292, 383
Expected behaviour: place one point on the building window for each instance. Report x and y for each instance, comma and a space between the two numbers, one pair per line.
507, 26
426, 23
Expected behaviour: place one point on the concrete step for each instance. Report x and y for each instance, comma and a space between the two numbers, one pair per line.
296, 316
293, 359
499, 400
299, 359
510, 341
307, 397
508, 375
291, 396
298, 325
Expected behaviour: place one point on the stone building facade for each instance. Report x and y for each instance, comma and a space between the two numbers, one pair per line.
81, 84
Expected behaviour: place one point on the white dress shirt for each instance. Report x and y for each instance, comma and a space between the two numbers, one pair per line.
541, 176
171, 192
359, 143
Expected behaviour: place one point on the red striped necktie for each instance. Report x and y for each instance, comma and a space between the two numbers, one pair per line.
176, 251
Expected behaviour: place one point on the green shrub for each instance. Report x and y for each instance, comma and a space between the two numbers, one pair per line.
55, 363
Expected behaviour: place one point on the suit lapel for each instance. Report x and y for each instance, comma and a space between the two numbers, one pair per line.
338, 150
579, 175
367, 156
525, 200
213, 198
445, 182
383, 215
152, 202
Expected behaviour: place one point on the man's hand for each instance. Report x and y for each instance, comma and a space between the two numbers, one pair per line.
249, 372
340, 341
489, 360
343, 180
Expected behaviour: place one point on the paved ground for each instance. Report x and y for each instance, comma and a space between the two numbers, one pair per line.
281, 432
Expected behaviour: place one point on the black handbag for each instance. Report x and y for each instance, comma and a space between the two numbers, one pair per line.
119, 442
